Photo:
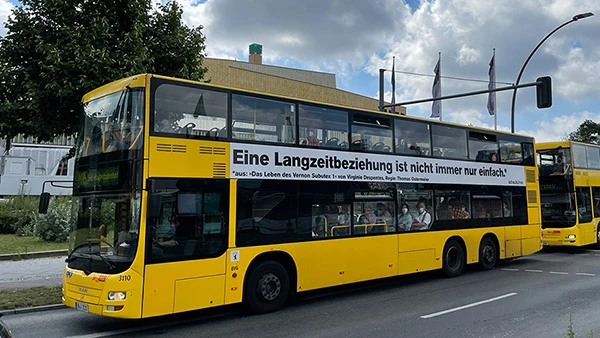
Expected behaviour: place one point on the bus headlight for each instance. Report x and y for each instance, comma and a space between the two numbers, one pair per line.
117, 295
570, 236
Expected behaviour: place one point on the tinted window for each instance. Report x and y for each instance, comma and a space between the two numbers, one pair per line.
267, 212
264, 120
593, 156
323, 127
584, 206
483, 147
449, 141
188, 219
324, 209
373, 208
412, 138
191, 111
371, 134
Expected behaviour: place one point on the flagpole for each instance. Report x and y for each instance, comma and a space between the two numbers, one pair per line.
494, 93
393, 84
440, 62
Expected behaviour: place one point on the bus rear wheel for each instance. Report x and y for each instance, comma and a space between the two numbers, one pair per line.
267, 287
488, 254
453, 261
598, 237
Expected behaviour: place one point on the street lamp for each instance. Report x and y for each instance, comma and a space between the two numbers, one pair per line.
512, 109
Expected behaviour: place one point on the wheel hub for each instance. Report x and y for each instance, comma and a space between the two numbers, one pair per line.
269, 286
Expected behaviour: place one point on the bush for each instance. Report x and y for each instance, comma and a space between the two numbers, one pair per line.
17, 215
56, 224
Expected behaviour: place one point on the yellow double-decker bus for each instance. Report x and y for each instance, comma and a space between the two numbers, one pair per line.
189, 195
570, 193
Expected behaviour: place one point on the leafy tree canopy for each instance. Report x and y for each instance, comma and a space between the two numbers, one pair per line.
57, 50
588, 132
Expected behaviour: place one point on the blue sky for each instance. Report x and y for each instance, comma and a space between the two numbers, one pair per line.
354, 38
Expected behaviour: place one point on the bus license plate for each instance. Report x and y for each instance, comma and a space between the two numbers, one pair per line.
81, 307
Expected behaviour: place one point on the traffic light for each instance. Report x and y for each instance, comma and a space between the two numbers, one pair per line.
544, 92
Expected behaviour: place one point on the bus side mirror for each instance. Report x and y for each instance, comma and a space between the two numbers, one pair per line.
544, 92
44, 202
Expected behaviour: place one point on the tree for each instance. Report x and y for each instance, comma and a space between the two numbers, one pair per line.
57, 50
588, 132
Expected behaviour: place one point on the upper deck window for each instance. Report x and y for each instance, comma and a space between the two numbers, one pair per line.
323, 127
449, 142
190, 111
483, 147
372, 133
112, 123
264, 120
412, 138
579, 156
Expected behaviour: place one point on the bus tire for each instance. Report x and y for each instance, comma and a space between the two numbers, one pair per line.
488, 254
597, 246
453, 261
267, 287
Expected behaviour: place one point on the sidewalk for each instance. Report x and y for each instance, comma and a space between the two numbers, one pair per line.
33, 269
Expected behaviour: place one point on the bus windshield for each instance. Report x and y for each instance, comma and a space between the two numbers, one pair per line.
104, 238
554, 162
112, 123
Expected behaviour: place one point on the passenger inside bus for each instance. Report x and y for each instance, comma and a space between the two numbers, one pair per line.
423, 219
405, 219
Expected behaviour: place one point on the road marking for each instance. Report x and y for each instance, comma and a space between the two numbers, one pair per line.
506, 269
585, 274
533, 270
558, 273
469, 305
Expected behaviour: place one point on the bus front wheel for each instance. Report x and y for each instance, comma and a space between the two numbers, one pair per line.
267, 287
453, 261
488, 254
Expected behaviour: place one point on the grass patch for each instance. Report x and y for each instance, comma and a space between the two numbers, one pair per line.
11, 244
22, 298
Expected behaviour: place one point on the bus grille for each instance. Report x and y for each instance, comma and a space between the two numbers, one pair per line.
219, 170
530, 176
531, 196
210, 150
171, 148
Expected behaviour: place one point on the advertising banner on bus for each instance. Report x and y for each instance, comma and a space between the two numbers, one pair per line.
270, 162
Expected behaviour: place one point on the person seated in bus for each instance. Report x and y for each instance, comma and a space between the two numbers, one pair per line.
370, 215
459, 211
166, 234
318, 228
343, 215
115, 138
505, 210
383, 214
423, 219
559, 167
405, 219
414, 148
165, 126
312, 138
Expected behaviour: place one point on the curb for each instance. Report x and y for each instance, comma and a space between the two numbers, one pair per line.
30, 255
33, 309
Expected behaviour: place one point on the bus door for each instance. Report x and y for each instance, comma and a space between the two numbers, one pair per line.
186, 245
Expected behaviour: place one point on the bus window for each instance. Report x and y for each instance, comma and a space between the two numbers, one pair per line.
325, 208
412, 138
452, 204
593, 157
323, 127
584, 207
596, 197
371, 133
267, 212
449, 142
193, 111
579, 156
483, 147
373, 208
264, 120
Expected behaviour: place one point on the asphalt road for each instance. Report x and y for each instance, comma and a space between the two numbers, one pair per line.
526, 297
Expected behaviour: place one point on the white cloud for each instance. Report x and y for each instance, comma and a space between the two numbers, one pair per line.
559, 127
5, 8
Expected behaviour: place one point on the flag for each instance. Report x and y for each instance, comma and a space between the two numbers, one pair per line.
436, 91
491, 104
393, 86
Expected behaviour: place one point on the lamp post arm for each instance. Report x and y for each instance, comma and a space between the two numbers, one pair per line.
514, 96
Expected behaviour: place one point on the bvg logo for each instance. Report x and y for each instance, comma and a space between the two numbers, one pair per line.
82, 290
69, 274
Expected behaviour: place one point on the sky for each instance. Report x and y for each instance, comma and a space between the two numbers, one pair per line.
355, 38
